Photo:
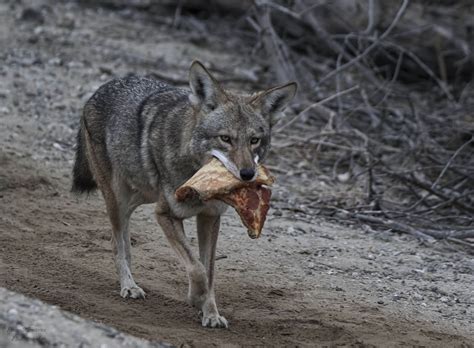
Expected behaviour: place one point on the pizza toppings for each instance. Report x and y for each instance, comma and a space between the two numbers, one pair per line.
252, 204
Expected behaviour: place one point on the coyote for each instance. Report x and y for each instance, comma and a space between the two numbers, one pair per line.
140, 139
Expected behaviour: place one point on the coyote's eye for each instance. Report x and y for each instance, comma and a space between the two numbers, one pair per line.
225, 138
254, 140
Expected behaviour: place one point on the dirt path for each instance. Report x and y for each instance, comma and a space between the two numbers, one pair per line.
306, 282
300, 284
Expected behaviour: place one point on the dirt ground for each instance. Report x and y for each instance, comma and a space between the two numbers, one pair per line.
306, 282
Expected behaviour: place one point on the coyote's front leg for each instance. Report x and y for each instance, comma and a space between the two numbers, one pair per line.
201, 293
208, 231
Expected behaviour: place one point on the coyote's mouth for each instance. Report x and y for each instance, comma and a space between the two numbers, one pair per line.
231, 167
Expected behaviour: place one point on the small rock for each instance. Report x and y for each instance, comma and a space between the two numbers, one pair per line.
276, 292
75, 64
56, 61
33, 39
38, 30
31, 14
437, 290
384, 236
12, 314
343, 177
418, 297
396, 297
277, 213
67, 21
58, 146
29, 61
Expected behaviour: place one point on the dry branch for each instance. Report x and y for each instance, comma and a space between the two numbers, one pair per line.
404, 149
395, 225
373, 45
274, 46
314, 105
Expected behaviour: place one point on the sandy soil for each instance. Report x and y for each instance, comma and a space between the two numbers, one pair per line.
305, 282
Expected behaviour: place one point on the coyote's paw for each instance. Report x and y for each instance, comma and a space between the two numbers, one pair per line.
214, 321
132, 292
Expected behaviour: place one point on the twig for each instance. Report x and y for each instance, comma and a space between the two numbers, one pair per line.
427, 187
275, 48
373, 45
321, 102
459, 241
177, 14
396, 225
372, 13
458, 234
450, 161
309, 18
410, 54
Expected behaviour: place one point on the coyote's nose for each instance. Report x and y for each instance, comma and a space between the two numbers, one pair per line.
247, 174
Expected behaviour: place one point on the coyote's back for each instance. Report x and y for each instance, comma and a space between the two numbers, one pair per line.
114, 119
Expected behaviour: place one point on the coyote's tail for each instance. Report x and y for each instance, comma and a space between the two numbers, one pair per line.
82, 178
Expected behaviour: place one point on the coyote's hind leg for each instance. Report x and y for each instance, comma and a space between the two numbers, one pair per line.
121, 202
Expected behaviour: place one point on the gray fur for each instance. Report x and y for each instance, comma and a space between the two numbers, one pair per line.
140, 139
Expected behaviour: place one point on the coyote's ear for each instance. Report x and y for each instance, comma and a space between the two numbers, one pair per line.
275, 99
205, 88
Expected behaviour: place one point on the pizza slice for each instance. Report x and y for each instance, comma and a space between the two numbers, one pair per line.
249, 199
252, 204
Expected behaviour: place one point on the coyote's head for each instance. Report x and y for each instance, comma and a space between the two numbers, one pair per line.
234, 128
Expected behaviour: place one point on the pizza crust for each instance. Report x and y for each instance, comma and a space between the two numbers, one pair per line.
249, 199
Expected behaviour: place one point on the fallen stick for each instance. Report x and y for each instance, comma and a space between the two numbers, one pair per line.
325, 100
396, 225
374, 44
